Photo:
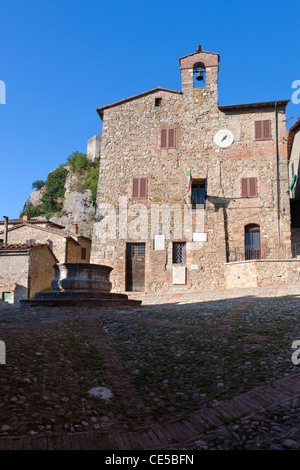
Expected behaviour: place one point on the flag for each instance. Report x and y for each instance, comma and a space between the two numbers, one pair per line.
205, 193
190, 181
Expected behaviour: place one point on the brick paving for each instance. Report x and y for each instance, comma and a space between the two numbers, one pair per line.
174, 432
161, 436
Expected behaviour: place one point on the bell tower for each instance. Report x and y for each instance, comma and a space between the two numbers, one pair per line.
201, 67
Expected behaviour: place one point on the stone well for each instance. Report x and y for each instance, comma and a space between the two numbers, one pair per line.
80, 284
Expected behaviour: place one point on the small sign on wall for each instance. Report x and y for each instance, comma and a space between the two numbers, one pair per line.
110, 248
159, 242
179, 275
199, 237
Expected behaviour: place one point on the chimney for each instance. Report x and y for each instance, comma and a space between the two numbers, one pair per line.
74, 228
25, 217
5, 229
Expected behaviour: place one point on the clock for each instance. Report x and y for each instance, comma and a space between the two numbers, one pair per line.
224, 138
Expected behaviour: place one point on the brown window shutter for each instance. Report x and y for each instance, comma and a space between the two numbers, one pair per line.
143, 188
258, 130
252, 187
171, 139
163, 138
266, 129
135, 187
244, 187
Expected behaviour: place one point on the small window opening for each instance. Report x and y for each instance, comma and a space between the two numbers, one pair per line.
179, 252
158, 102
6, 296
83, 253
198, 193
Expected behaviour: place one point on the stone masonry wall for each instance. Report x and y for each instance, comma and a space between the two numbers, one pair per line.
14, 269
130, 148
260, 273
41, 270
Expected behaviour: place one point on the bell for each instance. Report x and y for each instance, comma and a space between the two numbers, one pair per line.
199, 75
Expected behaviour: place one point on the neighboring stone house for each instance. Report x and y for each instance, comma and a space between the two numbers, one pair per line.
66, 245
32, 221
219, 172
294, 183
25, 270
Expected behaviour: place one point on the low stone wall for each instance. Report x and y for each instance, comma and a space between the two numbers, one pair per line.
257, 273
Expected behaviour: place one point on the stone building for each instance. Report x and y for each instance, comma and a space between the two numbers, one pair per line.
67, 245
25, 270
294, 184
94, 148
191, 193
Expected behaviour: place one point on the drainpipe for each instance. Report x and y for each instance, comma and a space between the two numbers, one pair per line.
5, 229
277, 176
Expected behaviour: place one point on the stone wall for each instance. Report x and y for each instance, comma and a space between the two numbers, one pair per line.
56, 242
258, 273
14, 274
41, 270
130, 148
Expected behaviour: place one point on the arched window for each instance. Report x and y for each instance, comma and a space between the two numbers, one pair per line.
252, 241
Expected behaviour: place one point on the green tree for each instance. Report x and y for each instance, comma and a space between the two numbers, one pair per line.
78, 162
91, 180
55, 188
38, 184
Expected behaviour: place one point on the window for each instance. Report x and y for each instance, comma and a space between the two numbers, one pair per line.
248, 187
1, 241
139, 188
83, 253
6, 296
30, 241
179, 252
158, 102
198, 193
167, 138
252, 242
263, 130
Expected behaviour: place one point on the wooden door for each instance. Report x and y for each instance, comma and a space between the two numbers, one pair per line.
135, 267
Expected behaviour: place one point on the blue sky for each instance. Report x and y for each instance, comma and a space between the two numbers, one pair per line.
61, 59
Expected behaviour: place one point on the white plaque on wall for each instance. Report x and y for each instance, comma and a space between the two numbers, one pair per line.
159, 242
179, 275
199, 237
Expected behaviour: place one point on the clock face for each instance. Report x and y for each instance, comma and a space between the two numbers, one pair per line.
224, 138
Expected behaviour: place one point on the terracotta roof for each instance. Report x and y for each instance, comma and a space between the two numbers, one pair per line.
291, 134
125, 100
22, 247
57, 231
31, 221
265, 104
199, 52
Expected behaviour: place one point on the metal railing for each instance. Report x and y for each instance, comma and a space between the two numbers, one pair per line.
271, 251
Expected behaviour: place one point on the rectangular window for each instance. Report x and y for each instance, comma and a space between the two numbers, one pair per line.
263, 130
198, 193
158, 102
6, 296
179, 252
139, 188
83, 253
248, 187
168, 138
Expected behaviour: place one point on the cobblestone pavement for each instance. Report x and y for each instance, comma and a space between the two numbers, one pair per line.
196, 370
